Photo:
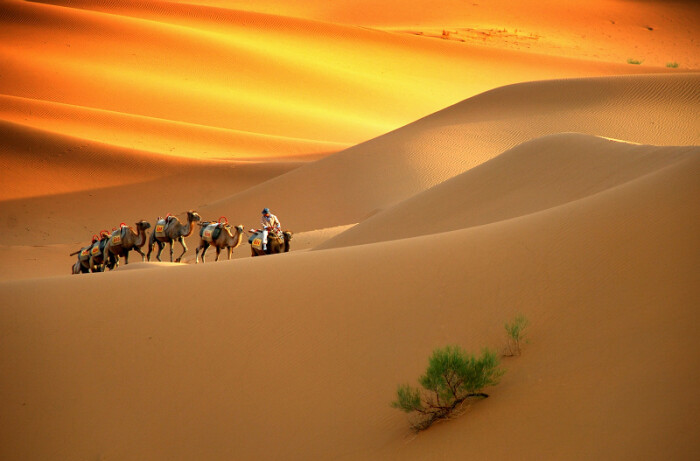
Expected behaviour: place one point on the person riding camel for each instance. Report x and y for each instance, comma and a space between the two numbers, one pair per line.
270, 223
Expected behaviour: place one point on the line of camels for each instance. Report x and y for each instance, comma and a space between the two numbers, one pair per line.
106, 249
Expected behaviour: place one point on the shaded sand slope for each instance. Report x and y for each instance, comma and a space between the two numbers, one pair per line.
203, 370
36, 163
155, 135
369, 177
539, 174
60, 189
276, 85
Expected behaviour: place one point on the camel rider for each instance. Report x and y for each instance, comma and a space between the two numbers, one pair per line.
270, 223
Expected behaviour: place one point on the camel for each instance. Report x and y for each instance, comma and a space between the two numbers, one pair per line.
225, 239
98, 257
90, 257
125, 239
274, 244
171, 231
81, 265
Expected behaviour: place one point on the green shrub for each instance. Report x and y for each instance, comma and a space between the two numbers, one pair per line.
634, 61
452, 377
673, 65
516, 334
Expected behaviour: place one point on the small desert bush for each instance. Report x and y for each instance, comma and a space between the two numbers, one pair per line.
516, 334
672, 65
634, 61
453, 376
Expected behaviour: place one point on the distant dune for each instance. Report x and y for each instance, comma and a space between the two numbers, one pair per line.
202, 81
443, 168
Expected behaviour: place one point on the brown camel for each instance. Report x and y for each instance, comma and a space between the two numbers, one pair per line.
90, 257
125, 239
98, 259
169, 231
225, 239
274, 245
82, 266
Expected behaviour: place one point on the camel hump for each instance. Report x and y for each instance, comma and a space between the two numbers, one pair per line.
159, 230
210, 232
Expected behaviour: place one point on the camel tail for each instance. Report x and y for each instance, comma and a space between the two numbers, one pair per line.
76, 252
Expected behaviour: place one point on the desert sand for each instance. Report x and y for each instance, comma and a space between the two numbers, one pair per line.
443, 168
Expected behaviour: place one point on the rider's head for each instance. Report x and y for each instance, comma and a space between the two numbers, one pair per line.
266, 211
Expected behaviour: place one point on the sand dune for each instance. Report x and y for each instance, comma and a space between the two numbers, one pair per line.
655, 32
376, 175
157, 135
563, 186
310, 375
57, 189
534, 176
268, 81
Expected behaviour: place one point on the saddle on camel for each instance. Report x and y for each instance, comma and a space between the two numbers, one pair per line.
219, 234
91, 258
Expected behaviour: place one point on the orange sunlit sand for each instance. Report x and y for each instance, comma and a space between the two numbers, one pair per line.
443, 167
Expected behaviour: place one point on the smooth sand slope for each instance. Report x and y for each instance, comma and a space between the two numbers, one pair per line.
203, 81
562, 186
533, 176
200, 369
654, 32
352, 185
59, 189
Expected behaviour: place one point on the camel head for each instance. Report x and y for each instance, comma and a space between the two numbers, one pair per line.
143, 225
193, 216
287, 235
228, 227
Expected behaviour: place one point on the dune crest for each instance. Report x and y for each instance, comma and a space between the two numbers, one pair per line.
378, 174
543, 173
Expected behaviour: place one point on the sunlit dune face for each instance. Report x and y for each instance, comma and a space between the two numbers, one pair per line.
273, 79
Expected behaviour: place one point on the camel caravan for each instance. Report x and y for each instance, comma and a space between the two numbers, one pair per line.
106, 249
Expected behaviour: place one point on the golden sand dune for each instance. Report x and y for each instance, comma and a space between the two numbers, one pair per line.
57, 189
534, 176
310, 374
157, 135
377, 174
564, 186
654, 32
256, 80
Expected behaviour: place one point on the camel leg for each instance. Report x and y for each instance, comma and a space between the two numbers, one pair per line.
218, 252
111, 260
184, 249
115, 261
151, 242
161, 247
138, 250
171, 251
203, 247
228, 251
